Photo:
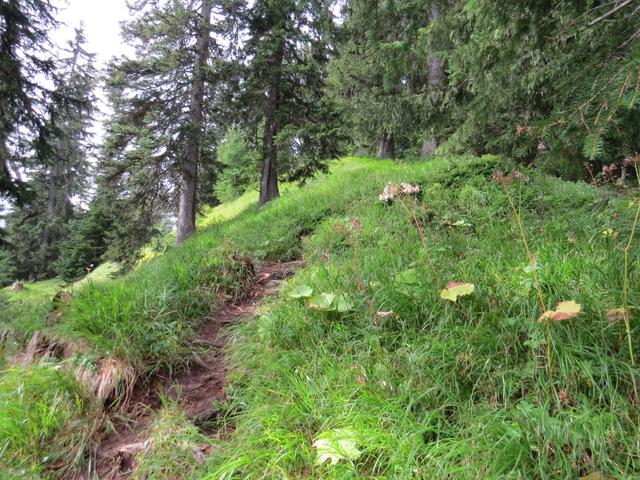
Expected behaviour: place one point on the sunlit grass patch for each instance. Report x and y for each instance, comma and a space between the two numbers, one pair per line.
45, 419
175, 448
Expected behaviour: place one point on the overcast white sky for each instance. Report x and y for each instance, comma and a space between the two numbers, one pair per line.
101, 19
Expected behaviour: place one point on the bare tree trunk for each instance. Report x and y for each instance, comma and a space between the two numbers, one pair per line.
435, 67
52, 203
436, 81
269, 177
186, 224
429, 147
386, 146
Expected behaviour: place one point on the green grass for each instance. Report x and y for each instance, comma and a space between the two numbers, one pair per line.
24, 312
441, 390
176, 447
435, 390
35, 292
45, 421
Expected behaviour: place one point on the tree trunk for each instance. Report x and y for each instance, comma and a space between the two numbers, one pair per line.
186, 224
386, 147
435, 67
436, 81
429, 147
269, 177
52, 203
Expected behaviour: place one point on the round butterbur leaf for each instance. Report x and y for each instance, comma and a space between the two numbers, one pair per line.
455, 290
301, 291
564, 311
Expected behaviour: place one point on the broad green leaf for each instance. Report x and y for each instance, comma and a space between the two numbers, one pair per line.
564, 311
324, 301
301, 291
455, 290
343, 304
407, 282
408, 277
335, 445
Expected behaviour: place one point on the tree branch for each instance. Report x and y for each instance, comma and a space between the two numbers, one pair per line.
610, 12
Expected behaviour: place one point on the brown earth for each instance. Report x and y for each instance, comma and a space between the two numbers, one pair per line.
197, 388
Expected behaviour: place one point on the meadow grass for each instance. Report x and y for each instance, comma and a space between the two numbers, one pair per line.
440, 389
35, 291
433, 390
45, 421
176, 447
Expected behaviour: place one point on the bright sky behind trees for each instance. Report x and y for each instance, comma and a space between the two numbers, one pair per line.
101, 20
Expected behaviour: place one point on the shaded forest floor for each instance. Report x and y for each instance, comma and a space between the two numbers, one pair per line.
360, 365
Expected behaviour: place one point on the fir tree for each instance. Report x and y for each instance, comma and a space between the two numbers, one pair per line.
289, 46
59, 172
26, 65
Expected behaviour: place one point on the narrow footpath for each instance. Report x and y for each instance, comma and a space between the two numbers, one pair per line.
197, 389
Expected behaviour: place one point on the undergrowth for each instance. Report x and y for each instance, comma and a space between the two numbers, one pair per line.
176, 447
374, 360
45, 421
433, 389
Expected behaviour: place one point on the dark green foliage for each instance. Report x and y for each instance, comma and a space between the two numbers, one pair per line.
91, 234
35, 230
7, 273
240, 166
380, 74
289, 46
523, 78
25, 66
548, 68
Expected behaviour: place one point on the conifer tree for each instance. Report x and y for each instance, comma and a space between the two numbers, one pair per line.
155, 137
289, 46
26, 64
59, 172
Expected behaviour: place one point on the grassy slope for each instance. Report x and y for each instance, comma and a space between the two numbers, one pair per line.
441, 390
436, 390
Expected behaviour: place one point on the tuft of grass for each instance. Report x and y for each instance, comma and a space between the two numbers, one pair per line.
176, 448
45, 420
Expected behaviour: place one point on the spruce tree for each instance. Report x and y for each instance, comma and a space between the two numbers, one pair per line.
289, 46
159, 135
59, 172
26, 66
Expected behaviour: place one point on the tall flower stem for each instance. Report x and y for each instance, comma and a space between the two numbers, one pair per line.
625, 288
423, 239
534, 274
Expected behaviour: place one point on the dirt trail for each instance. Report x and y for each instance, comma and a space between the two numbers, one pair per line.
197, 389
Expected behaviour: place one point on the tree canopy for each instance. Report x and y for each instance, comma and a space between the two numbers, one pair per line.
220, 96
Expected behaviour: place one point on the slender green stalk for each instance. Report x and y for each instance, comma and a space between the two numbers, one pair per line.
536, 281
423, 239
625, 289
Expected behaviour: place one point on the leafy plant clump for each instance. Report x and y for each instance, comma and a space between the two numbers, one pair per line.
46, 420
